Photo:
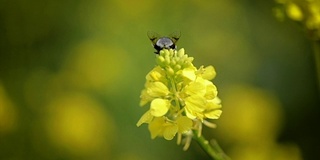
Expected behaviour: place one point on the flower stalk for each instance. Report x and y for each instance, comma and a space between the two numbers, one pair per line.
213, 150
316, 51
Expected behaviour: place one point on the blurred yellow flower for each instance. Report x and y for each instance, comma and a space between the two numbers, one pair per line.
253, 133
306, 12
294, 12
314, 20
8, 113
88, 66
79, 125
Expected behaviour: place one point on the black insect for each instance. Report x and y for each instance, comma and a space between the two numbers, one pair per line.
163, 42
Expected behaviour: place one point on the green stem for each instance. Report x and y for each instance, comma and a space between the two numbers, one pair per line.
316, 47
213, 150
173, 85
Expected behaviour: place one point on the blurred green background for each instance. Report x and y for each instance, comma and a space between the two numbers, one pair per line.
71, 73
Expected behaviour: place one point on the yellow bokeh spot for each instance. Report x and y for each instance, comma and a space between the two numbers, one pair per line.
251, 121
294, 12
266, 152
79, 125
250, 114
8, 113
93, 65
313, 21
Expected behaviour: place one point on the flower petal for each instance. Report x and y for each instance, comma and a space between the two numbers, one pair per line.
213, 104
157, 89
184, 124
145, 118
189, 73
159, 107
195, 103
209, 73
156, 127
215, 114
195, 88
190, 114
145, 97
170, 131
156, 74
211, 90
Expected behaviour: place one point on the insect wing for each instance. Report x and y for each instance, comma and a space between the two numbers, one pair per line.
153, 36
175, 36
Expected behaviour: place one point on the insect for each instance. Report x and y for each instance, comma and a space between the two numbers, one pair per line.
163, 42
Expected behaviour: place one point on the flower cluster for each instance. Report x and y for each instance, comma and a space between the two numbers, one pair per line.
181, 97
306, 12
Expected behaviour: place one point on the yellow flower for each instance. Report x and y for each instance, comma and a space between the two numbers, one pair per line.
163, 127
181, 96
160, 127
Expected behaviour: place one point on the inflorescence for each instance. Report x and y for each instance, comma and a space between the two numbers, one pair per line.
181, 97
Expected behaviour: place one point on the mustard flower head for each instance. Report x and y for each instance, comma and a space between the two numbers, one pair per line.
181, 97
